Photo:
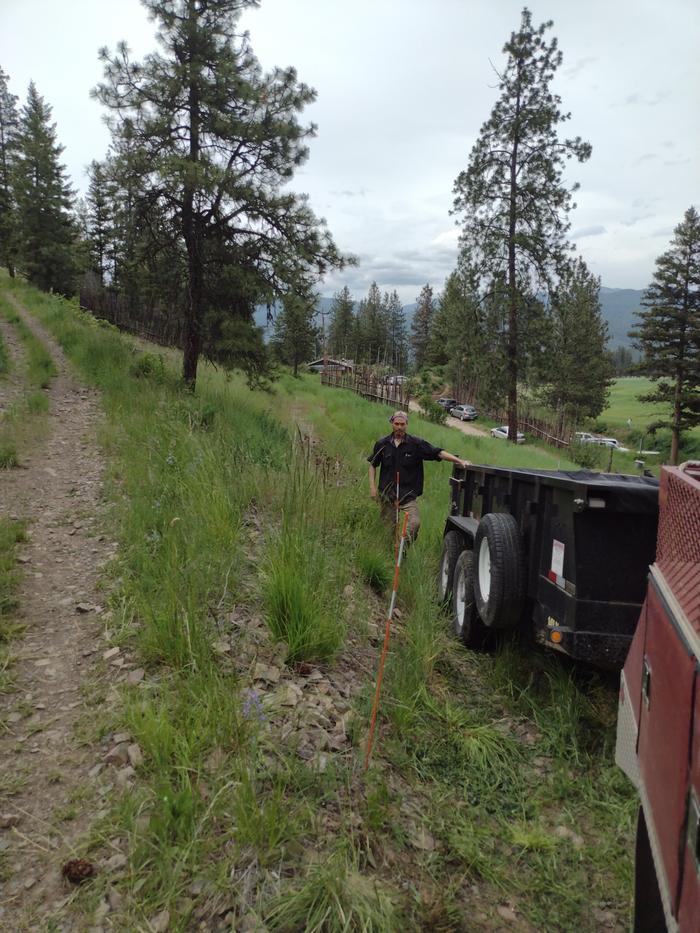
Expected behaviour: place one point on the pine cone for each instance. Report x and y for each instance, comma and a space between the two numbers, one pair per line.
78, 870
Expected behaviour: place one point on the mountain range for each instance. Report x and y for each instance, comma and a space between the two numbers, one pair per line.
617, 304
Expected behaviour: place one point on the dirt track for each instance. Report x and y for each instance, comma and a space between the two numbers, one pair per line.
44, 764
466, 427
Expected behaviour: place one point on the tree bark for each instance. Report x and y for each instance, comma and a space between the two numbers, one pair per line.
192, 231
512, 346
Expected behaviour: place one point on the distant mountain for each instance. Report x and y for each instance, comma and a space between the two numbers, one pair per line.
618, 306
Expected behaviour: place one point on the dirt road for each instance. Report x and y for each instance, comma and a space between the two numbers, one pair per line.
466, 427
44, 770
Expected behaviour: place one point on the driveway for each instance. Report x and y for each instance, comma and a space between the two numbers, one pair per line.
466, 427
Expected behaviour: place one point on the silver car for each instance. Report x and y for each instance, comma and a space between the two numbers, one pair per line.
502, 432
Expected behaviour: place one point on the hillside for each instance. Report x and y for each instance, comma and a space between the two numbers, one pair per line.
207, 766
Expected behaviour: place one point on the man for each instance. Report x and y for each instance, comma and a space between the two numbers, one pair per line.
403, 453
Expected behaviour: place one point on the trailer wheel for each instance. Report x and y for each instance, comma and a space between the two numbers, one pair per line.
452, 546
498, 570
466, 623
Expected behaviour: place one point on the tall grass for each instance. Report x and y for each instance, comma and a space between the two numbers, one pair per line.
4, 358
305, 567
12, 533
40, 365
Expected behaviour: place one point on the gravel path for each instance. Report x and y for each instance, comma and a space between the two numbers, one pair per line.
466, 427
43, 766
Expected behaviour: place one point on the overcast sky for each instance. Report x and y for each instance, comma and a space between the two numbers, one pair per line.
403, 89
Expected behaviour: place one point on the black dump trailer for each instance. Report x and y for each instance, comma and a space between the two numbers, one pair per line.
565, 554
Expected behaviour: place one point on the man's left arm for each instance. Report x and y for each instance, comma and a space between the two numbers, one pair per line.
444, 455
430, 452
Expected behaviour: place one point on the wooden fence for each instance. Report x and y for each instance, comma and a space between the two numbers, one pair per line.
370, 386
555, 431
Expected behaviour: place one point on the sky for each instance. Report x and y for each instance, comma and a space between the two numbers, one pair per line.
403, 88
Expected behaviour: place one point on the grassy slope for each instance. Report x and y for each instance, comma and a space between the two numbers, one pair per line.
492, 783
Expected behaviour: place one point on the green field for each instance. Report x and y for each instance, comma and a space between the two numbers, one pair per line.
629, 420
625, 405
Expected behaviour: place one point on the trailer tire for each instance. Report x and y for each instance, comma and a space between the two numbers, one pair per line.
498, 570
452, 547
466, 623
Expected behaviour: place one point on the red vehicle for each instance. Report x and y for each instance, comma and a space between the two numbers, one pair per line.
658, 731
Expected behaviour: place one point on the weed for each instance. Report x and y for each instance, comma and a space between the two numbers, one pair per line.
148, 366
375, 569
12, 533
37, 403
8, 455
335, 897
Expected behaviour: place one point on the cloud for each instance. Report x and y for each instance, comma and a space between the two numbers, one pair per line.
646, 157
595, 230
346, 193
635, 220
650, 101
578, 66
663, 231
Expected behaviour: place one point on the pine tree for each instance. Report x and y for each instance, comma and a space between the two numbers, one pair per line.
669, 331
578, 368
46, 232
372, 325
220, 140
397, 336
512, 196
99, 218
340, 337
9, 121
295, 335
421, 326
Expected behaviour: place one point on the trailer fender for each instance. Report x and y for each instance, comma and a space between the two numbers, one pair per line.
498, 570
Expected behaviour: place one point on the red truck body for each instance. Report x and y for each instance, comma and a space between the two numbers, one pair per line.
658, 735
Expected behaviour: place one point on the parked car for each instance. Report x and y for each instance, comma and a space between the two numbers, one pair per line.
608, 442
464, 412
502, 432
447, 403
584, 437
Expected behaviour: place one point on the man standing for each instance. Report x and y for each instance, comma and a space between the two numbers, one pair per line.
400, 457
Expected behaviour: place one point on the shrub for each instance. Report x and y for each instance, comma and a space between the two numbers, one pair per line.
37, 403
8, 456
588, 456
374, 568
148, 366
431, 410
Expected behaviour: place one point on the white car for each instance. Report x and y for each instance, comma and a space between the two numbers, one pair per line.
583, 437
502, 432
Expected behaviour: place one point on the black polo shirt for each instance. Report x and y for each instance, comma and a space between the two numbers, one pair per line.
408, 459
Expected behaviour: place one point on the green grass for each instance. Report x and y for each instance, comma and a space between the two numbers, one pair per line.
4, 358
222, 503
40, 365
12, 534
24, 422
624, 406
